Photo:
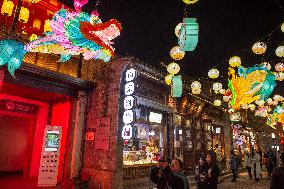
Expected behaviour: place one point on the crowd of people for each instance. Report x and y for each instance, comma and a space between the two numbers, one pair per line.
170, 175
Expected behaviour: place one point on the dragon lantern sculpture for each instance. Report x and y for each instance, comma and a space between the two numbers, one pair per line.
73, 33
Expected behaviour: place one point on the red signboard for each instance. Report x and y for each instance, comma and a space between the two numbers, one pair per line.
102, 132
14, 106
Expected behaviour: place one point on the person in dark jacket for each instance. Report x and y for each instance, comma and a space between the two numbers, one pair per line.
213, 173
157, 175
166, 176
278, 176
233, 164
271, 162
201, 173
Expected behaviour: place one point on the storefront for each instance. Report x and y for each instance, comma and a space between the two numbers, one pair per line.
33, 101
145, 123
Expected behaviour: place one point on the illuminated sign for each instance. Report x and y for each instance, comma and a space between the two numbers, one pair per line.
127, 132
128, 103
218, 130
20, 107
155, 117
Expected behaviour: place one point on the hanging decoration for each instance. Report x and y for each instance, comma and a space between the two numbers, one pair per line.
177, 86
176, 53
7, 8
37, 24
282, 27
250, 84
196, 87
72, 34
173, 68
279, 76
46, 27
235, 61
217, 103
168, 79
279, 67
190, 1
278, 98
213, 73
24, 15
217, 87
177, 29
188, 34
280, 51
259, 48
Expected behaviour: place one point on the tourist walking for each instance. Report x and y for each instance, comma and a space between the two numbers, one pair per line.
255, 165
213, 172
201, 173
233, 165
248, 163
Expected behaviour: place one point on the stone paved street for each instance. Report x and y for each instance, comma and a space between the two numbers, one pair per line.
244, 183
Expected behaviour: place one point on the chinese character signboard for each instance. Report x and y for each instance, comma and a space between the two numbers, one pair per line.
13, 106
128, 103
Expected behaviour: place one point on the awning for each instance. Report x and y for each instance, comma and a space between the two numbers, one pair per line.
153, 104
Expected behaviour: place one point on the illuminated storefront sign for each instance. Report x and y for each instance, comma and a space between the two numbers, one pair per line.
155, 117
128, 103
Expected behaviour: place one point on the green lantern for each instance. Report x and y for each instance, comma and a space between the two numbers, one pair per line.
177, 86
188, 34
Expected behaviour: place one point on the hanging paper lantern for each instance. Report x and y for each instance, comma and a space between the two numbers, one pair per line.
190, 1
196, 91
279, 67
260, 102
173, 68
251, 107
217, 87
266, 65
176, 53
177, 29
168, 79
282, 27
217, 102
33, 37
235, 61
278, 98
213, 73
47, 27
36, 24
279, 76
195, 85
188, 34
269, 101
222, 91
245, 106
24, 15
280, 51
7, 7
259, 48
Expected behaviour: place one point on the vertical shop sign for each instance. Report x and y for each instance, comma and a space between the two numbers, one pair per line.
128, 103
102, 133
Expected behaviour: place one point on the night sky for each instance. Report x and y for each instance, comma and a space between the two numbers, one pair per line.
226, 28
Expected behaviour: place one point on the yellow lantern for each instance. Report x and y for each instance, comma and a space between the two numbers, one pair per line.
24, 15
251, 107
195, 85
280, 51
173, 68
279, 67
279, 76
36, 24
196, 91
190, 1
47, 27
33, 37
235, 61
168, 79
176, 53
282, 27
7, 8
259, 48
217, 87
213, 73
217, 102
278, 98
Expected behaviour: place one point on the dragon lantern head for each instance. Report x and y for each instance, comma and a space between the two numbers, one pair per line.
101, 33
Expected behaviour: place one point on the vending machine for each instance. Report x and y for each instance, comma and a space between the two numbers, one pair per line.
49, 162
